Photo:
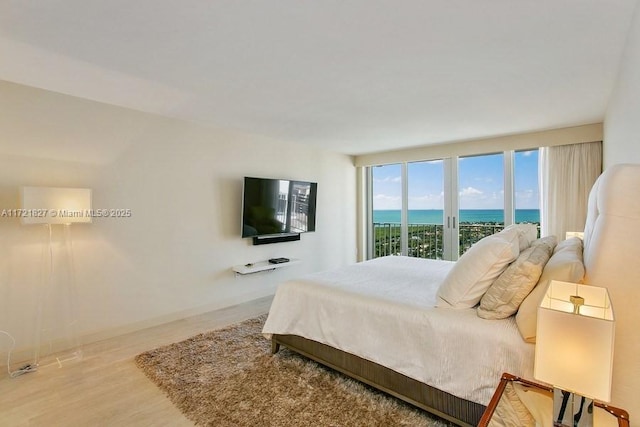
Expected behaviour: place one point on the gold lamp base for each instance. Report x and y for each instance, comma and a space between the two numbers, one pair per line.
571, 410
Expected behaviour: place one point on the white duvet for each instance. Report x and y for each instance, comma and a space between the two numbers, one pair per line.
383, 310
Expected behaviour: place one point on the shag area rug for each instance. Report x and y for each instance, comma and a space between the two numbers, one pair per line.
229, 377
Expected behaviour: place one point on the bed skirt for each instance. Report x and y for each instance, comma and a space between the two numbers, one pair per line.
459, 411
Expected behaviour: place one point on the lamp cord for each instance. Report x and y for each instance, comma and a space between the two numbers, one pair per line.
24, 369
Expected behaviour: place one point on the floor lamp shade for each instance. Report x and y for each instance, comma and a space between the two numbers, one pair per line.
55, 205
575, 336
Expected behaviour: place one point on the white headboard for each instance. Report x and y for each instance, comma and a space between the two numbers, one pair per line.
612, 260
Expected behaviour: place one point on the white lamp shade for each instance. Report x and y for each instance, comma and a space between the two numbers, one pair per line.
570, 234
53, 205
574, 352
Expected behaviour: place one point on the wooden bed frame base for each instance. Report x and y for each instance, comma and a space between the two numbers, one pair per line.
444, 405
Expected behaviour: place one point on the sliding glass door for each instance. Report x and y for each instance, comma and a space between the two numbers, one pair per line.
409, 210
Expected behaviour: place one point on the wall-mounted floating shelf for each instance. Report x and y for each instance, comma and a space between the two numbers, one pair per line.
257, 267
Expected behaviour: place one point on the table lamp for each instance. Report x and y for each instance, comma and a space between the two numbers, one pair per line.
574, 349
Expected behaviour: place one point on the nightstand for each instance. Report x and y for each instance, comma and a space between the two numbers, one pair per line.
519, 402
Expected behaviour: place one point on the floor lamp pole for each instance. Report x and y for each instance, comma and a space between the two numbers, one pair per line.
58, 296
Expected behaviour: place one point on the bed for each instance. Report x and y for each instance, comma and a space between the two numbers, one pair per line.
392, 323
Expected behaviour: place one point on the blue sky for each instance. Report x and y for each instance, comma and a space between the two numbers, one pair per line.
480, 181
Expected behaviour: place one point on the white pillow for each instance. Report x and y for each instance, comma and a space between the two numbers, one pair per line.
477, 268
528, 233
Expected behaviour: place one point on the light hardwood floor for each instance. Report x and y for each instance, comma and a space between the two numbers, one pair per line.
106, 388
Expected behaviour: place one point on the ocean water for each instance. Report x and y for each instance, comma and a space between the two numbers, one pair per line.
434, 216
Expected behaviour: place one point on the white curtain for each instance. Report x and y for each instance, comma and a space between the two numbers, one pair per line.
567, 173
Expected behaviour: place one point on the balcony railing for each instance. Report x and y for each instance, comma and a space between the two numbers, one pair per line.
426, 240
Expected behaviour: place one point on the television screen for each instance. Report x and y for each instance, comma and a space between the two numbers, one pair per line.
278, 206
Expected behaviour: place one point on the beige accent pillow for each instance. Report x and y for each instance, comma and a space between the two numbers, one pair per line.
505, 295
476, 270
566, 265
549, 240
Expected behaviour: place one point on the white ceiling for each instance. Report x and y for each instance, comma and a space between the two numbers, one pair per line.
354, 76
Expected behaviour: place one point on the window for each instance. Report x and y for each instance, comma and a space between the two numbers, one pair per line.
386, 201
425, 215
437, 209
480, 198
526, 187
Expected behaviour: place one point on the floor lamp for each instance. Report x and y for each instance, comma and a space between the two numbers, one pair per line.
56, 317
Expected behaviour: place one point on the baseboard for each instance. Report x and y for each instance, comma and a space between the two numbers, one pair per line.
26, 355
172, 317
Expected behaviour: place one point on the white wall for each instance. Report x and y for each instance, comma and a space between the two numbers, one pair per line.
622, 121
183, 184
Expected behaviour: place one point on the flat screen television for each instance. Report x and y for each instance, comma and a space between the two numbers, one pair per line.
272, 207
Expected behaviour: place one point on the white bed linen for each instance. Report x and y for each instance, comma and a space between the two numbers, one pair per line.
383, 310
